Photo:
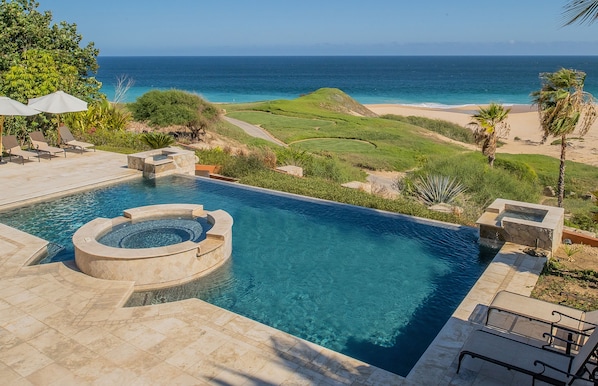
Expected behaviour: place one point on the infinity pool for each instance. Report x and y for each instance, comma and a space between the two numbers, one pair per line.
375, 286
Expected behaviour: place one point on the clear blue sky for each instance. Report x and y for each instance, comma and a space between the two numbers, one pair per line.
326, 27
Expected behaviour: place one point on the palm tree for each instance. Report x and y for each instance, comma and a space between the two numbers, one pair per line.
490, 125
564, 108
581, 11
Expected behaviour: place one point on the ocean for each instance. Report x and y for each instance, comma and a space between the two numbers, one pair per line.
433, 81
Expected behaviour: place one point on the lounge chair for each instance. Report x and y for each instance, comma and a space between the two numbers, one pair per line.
66, 137
537, 310
567, 328
12, 148
39, 143
541, 364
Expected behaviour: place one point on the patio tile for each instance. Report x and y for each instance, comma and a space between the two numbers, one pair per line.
24, 359
60, 327
49, 374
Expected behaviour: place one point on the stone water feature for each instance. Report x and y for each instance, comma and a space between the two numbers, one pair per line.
155, 246
533, 225
162, 162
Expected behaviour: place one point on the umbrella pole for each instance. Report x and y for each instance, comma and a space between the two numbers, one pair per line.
58, 131
1, 134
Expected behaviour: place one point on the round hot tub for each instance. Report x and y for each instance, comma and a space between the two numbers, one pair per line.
156, 233
155, 246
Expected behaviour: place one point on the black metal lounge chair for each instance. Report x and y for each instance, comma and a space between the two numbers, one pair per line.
540, 363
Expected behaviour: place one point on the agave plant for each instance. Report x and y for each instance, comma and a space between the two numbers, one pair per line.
434, 189
157, 140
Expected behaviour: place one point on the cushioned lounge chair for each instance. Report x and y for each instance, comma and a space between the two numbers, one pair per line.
66, 138
541, 364
39, 143
11, 146
538, 310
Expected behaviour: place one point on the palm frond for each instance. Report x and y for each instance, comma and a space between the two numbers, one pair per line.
580, 11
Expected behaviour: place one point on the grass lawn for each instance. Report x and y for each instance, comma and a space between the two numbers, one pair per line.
329, 123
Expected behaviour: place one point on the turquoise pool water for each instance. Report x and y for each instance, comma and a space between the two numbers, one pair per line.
372, 285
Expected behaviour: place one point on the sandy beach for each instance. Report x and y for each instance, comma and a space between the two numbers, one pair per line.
525, 135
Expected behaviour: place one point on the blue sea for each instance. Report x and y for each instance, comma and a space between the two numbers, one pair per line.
433, 81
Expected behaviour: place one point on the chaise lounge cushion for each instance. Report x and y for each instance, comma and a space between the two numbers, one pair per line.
11, 147
39, 143
538, 310
542, 364
66, 137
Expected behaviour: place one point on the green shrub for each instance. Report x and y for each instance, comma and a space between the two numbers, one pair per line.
484, 184
173, 107
323, 165
583, 221
101, 115
448, 129
243, 165
322, 188
115, 139
519, 169
290, 156
215, 156
332, 169
157, 140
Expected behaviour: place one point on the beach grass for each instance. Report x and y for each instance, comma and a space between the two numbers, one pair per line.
315, 124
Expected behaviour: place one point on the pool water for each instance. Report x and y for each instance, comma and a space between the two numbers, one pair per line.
372, 285
156, 233
521, 215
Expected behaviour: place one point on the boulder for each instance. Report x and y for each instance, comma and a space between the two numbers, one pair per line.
588, 197
549, 191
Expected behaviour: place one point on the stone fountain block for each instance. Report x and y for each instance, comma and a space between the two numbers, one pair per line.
161, 162
523, 223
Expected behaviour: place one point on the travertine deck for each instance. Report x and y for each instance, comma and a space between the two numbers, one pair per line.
58, 326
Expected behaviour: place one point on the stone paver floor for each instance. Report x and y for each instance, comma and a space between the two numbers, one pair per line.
59, 326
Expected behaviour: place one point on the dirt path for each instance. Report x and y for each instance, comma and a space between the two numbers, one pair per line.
254, 131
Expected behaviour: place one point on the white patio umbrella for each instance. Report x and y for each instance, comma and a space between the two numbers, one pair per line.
57, 103
12, 107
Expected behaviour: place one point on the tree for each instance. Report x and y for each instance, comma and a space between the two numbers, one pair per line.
23, 29
175, 108
490, 125
581, 11
564, 108
37, 74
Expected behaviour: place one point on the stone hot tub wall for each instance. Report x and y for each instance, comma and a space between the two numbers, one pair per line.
545, 234
162, 162
160, 267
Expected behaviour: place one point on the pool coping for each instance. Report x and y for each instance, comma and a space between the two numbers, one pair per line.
511, 269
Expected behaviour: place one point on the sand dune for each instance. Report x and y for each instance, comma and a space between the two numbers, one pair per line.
525, 126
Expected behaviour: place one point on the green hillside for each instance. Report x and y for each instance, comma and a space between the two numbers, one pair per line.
328, 124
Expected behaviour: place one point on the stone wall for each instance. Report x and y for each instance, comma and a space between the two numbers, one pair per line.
545, 233
162, 162
159, 267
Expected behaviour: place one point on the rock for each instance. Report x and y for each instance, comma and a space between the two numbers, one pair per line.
358, 185
457, 211
291, 169
549, 191
444, 208
588, 197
